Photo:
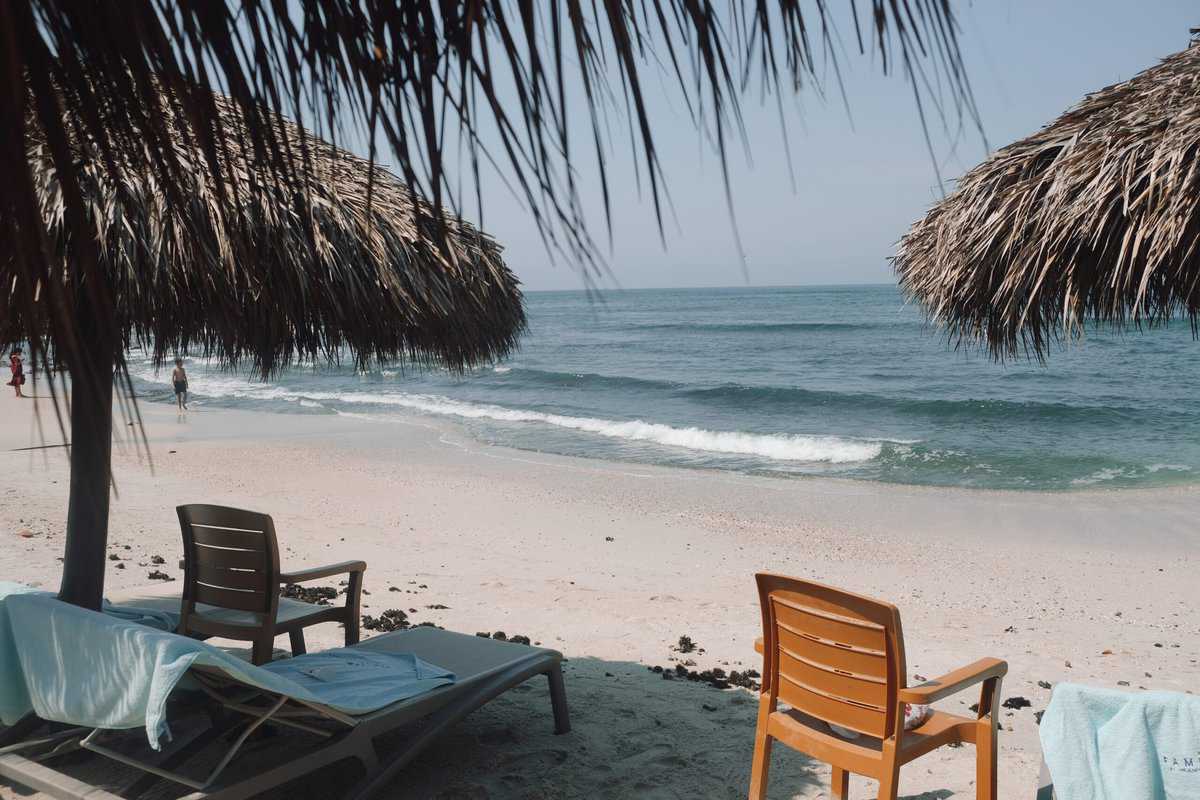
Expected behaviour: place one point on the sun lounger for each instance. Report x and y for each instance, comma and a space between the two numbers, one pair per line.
342, 722
836, 661
1104, 744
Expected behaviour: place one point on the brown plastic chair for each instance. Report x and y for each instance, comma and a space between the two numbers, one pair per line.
231, 582
836, 658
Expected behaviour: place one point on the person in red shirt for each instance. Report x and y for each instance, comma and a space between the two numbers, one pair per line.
18, 370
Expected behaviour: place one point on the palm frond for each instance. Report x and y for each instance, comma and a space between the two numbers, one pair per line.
90, 78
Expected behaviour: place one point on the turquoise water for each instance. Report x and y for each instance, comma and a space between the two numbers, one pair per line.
835, 381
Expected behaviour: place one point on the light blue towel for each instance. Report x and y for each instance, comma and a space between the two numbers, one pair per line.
1102, 744
71, 665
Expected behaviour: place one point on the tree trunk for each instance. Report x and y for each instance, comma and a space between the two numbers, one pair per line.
91, 451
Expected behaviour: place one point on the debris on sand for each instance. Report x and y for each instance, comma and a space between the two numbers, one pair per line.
685, 645
157, 560
317, 595
501, 636
391, 620
113, 557
716, 677
1016, 702
158, 575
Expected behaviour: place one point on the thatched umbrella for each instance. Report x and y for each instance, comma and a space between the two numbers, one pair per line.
1094, 218
336, 258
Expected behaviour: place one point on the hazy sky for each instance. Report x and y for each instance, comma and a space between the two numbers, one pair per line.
860, 180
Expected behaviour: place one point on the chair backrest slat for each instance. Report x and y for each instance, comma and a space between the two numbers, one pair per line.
831, 654
241, 579
231, 538
231, 561
236, 599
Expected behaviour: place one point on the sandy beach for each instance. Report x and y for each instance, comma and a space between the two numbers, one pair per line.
611, 563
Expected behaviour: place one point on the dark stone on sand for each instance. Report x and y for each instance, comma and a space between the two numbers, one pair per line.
500, 635
317, 595
519, 639
113, 557
1016, 702
1122, 683
394, 589
156, 575
608, 538
437, 607
685, 645
656, 668
1044, 684
483, 634
120, 566
157, 560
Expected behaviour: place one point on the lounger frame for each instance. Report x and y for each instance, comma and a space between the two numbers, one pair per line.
342, 736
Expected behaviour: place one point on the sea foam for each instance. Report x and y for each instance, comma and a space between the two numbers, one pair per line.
778, 447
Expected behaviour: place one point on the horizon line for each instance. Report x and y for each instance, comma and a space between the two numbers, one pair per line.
703, 288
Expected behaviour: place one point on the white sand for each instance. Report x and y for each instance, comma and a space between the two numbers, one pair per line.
517, 541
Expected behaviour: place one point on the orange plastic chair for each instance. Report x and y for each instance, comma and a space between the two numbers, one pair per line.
836, 658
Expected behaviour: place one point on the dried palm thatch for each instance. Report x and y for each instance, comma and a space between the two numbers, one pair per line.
1094, 218
249, 263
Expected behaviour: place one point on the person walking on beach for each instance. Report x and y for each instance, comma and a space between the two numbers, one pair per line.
179, 382
18, 370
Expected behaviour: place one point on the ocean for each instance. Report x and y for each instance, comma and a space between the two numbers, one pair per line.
844, 382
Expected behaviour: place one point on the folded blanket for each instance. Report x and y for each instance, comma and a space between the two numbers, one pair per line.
1102, 744
67, 664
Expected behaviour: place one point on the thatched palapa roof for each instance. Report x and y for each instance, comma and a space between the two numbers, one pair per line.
1096, 217
338, 255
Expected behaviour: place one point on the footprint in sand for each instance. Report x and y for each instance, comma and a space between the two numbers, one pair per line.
658, 755
536, 759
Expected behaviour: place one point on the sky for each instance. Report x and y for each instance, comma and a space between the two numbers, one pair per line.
860, 179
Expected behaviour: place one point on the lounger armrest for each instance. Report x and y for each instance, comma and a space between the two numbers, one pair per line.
953, 682
344, 568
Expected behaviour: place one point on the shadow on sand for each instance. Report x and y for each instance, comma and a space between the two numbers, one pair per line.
634, 735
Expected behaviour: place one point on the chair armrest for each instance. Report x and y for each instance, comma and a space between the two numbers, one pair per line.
952, 682
300, 576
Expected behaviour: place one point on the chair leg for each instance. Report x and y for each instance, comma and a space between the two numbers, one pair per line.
262, 651
297, 637
985, 740
985, 760
840, 784
889, 779
558, 700
353, 608
760, 766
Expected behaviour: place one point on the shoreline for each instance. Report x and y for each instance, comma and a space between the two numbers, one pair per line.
612, 562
